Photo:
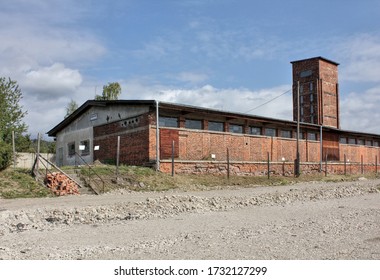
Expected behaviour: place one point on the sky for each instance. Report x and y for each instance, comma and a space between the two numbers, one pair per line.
232, 55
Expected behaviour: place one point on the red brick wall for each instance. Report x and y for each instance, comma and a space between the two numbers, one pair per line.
134, 141
199, 145
138, 147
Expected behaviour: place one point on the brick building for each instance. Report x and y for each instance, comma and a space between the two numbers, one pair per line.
200, 138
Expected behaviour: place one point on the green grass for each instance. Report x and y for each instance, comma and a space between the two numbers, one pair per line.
19, 183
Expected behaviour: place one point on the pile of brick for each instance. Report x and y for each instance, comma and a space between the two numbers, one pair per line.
60, 184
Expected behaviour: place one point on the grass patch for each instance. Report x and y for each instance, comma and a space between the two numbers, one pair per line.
146, 179
19, 183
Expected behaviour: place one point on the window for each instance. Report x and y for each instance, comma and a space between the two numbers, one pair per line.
254, 130
286, 134
368, 142
352, 141
343, 140
236, 128
85, 147
311, 98
376, 143
193, 124
270, 132
216, 126
311, 86
360, 142
312, 136
311, 110
306, 73
71, 149
169, 121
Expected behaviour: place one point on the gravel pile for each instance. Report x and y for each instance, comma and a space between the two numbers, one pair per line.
165, 206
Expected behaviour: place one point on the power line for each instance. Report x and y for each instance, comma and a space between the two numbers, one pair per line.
269, 101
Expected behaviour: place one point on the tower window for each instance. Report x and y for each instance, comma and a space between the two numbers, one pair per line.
306, 73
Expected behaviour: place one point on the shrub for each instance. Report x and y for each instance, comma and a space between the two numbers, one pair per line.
5, 155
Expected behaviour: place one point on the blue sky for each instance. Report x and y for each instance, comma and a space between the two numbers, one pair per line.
226, 54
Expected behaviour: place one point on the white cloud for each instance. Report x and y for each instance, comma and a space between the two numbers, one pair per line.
361, 56
53, 81
228, 99
360, 111
192, 77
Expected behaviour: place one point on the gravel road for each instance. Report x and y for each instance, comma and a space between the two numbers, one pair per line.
303, 221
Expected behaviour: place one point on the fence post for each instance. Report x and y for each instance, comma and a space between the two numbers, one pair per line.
117, 157
172, 158
228, 163
268, 165
326, 166
345, 166
362, 164
376, 165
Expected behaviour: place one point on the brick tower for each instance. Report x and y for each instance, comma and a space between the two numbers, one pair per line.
319, 91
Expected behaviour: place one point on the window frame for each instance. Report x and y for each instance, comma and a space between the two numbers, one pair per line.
71, 149
234, 125
193, 124
165, 121
218, 129
270, 129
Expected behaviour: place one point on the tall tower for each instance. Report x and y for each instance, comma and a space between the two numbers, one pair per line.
318, 89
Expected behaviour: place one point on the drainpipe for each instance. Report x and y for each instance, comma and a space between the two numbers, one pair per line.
157, 138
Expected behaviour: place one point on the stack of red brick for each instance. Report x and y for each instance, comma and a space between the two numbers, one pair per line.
60, 184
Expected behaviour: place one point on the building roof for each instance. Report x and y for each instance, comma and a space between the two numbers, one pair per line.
90, 103
317, 57
196, 109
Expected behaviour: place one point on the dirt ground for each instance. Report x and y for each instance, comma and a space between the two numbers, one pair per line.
302, 221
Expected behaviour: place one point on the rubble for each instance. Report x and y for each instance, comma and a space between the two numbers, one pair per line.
61, 184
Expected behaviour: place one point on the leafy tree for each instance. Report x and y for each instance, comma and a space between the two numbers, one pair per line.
11, 115
110, 92
71, 107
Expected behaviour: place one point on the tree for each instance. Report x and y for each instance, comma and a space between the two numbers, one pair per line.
110, 92
11, 118
71, 107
